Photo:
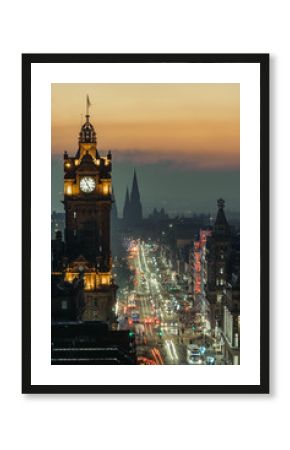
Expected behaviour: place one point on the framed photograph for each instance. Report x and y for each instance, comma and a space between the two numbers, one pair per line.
145, 223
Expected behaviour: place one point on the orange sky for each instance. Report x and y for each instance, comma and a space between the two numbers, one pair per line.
198, 123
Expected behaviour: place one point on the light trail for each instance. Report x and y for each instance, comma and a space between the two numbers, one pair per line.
168, 348
174, 350
139, 260
156, 352
144, 259
171, 350
160, 357
153, 351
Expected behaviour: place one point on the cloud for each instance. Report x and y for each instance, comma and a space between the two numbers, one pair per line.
195, 160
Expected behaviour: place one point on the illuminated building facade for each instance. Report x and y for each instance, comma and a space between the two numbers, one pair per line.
197, 267
231, 322
87, 203
199, 262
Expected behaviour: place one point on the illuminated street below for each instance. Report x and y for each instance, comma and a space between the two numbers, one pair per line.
157, 311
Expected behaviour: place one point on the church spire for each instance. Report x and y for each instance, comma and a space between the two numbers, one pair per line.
126, 209
135, 194
135, 202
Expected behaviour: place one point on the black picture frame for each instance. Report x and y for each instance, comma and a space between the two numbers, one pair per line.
263, 61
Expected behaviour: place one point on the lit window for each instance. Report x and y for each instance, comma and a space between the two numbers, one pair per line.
75, 215
105, 279
219, 298
105, 189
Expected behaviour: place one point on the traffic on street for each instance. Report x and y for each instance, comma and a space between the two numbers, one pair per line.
168, 327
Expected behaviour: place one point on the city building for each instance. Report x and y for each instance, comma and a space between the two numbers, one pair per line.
88, 203
231, 323
57, 223
218, 259
158, 216
199, 264
219, 276
57, 253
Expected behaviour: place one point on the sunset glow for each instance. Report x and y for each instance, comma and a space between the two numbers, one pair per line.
194, 123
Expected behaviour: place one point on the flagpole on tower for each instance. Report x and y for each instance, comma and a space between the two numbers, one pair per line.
88, 104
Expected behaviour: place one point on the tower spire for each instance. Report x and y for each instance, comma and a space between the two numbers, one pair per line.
88, 105
135, 202
87, 133
135, 194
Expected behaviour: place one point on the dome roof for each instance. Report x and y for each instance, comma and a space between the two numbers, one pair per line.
87, 133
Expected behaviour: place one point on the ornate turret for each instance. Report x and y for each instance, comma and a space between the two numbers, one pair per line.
87, 134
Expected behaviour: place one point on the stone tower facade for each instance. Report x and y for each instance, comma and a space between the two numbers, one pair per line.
88, 202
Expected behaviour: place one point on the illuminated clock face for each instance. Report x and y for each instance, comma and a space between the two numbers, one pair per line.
87, 184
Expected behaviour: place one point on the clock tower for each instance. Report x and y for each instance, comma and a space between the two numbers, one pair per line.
87, 204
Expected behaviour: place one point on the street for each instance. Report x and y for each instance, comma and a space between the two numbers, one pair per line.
167, 329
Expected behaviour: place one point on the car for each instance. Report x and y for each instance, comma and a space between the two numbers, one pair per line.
210, 360
193, 349
195, 359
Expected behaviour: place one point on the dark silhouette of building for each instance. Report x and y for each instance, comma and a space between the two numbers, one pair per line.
135, 203
57, 252
88, 343
127, 209
57, 223
67, 298
219, 257
219, 246
132, 212
158, 216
